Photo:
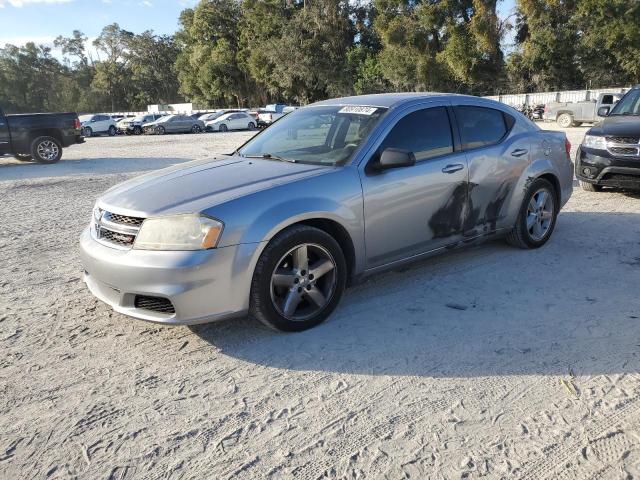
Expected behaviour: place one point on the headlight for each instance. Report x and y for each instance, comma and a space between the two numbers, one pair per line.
594, 141
178, 232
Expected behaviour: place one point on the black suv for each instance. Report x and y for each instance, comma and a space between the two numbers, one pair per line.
609, 155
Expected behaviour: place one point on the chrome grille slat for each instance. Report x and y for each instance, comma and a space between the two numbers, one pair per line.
623, 146
118, 231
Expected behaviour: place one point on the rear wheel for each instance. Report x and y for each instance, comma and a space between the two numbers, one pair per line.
564, 120
46, 150
590, 187
299, 279
537, 217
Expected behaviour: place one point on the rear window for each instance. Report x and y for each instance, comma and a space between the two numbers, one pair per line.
480, 126
426, 133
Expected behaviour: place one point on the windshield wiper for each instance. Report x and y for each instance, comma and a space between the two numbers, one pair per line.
268, 156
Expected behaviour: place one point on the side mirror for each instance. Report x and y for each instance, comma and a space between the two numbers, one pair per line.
603, 111
395, 158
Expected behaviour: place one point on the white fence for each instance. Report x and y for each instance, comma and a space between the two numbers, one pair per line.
516, 99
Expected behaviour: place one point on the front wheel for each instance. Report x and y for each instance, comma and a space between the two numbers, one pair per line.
137, 130
537, 216
590, 187
223, 128
46, 150
299, 279
160, 130
87, 131
23, 157
112, 131
251, 126
196, 129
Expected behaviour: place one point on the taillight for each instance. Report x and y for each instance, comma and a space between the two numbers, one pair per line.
76, 124
567, 147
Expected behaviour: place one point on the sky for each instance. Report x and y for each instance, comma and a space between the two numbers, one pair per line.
41, 21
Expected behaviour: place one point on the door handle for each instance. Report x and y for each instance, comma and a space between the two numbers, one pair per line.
452, 168
518, 152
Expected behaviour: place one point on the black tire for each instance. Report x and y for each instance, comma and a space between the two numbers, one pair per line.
112, 131
520, 235
251, 126
590, 187
137, 130
46, 150
564, 120
23, 157
223, 128
87, 131
196, 129
160, 130
261, 303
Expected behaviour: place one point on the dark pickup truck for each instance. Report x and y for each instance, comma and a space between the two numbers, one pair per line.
38, 136
609, 155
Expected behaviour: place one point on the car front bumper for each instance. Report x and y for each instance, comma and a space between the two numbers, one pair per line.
202, 286
600, 168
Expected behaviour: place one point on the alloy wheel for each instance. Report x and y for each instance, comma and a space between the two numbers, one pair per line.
48, 150
303, 282
540, 214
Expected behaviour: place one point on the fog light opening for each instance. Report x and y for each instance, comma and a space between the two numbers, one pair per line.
586, 171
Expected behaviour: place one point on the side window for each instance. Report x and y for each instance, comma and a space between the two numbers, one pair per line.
607, 99
426, 133
480, 126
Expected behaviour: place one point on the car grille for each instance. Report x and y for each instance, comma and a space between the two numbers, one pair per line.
122, 219
621, 180
155, 304
623, 146
117, 230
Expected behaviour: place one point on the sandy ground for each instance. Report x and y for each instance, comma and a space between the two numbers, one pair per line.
490, 362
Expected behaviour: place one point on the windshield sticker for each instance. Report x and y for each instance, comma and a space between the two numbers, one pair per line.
358, 110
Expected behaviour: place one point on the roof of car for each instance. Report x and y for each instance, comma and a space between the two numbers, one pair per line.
384, 99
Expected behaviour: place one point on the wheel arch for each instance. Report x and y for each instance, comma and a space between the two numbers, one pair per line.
46, 132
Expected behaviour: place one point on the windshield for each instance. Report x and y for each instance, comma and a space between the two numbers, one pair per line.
629, 104
323, 135
85, 118
141, 118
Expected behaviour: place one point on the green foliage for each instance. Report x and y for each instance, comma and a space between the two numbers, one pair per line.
253, 52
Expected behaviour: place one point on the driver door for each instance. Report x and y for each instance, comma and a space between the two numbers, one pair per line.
416, 209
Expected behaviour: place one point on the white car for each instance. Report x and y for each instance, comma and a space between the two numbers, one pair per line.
98, 124
232, 121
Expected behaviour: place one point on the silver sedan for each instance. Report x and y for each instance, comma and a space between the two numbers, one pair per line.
328, 195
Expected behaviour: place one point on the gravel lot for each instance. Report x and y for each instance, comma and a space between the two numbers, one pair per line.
490, 362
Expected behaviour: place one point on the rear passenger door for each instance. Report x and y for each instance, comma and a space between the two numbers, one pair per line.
497, 157
412, 210
5, 139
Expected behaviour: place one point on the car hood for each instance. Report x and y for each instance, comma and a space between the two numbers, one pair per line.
617, 125
202, 184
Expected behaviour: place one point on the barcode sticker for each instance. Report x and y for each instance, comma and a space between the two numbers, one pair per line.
358, 110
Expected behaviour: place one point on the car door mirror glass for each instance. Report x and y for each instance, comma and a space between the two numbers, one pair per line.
603, 111
395, 158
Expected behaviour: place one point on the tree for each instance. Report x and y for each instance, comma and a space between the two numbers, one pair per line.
112, 72
207, 66
609, 41
547, 39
